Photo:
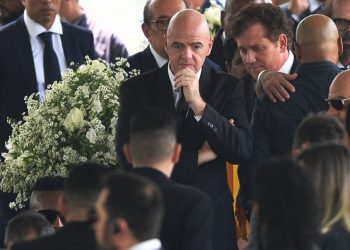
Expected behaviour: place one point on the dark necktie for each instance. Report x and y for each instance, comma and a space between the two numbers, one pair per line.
51, 65
182, 106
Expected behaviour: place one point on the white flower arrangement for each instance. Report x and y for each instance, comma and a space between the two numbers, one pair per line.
75, 123
212, 15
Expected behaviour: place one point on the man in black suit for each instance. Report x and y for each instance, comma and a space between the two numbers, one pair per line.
274, 124
156, 15
153, 152
81, 192
129, 214
22, 61
204, 101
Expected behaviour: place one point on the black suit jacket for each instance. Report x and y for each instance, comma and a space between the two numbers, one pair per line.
187, 223
17, 72
224, 97
217, 52
274, 124
145, 61
73, 236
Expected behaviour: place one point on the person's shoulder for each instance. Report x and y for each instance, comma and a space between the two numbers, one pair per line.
11, 28
191, 194
43, 243
75, 29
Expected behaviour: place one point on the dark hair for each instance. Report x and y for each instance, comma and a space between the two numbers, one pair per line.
84, 183
23, 224
230, 47
147, 14
49, 183
152, 136
138, 201
269, 16
317, 129
286, 207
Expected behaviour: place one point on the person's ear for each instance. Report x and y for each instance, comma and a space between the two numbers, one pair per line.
62, 204
127, 153
340, 46
298, 51
283, 42
176, 153
146, 30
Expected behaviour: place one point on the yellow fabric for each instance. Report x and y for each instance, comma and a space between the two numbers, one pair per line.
242, 225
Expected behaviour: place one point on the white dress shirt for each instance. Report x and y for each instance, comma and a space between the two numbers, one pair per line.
159, 59
37, 45
287, 66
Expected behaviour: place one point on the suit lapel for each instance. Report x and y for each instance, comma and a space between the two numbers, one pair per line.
25, 56
164, 94
67, 49
150, 59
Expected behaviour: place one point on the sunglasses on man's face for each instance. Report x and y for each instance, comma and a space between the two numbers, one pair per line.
337, 103
51, 215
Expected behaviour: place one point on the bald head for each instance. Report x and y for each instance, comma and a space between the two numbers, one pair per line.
317, 39
340, 88
188, 41
188, 20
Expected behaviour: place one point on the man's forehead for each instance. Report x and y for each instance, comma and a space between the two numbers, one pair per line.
340, 87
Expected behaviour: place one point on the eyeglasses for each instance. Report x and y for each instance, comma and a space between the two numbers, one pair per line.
51, 215
337, 103
342, 23
162, 24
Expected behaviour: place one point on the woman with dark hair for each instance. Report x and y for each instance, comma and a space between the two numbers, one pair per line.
328, 167
284, 207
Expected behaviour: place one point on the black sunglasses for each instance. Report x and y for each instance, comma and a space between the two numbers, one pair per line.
342, 23
337, 103
51, 215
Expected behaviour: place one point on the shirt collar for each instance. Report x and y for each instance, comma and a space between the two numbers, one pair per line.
34, 28
159, 59
172, 76
151, 244
287, 66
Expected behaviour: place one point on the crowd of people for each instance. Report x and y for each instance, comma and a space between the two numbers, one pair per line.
269, 92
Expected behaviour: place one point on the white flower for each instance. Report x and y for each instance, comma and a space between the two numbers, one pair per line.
96, 106
97, 65
74, 119
212, 14
75, 123
91, 136
113, 123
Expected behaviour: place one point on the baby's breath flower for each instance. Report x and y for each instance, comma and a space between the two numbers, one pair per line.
75, 123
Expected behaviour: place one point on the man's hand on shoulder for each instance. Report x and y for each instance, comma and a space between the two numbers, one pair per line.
275, 85
187, 80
